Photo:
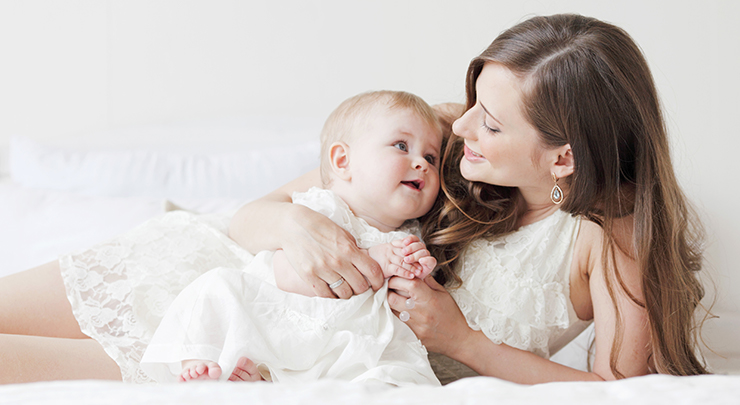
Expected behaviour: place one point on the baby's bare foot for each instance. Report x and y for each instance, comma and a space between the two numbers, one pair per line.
245, 370
199, 370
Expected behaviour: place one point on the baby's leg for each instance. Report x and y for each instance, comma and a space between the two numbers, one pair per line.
245, 370
199, 370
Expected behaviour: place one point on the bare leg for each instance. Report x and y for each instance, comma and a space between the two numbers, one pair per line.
34, 358
199, 370
40, 339
34, 302
245, 370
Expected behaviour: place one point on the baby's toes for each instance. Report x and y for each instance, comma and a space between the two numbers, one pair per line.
214, 370
185, 375
245, 370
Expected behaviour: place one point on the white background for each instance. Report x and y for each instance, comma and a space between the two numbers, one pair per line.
73, 67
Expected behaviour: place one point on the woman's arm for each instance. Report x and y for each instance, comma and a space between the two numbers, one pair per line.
318, 249
442, 328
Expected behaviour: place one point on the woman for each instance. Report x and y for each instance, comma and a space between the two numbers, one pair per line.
562, 133
561, 161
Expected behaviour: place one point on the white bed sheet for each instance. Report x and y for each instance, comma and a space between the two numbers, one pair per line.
654, 389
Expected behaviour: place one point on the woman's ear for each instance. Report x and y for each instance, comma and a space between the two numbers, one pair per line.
339, 159
564, 164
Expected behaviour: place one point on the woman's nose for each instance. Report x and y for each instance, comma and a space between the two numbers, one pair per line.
461, 126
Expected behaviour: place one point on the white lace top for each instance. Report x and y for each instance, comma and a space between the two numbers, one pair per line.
516, 287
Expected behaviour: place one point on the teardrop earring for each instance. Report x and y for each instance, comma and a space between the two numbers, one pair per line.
556, 195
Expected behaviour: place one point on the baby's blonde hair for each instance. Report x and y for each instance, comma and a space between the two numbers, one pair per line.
355, 112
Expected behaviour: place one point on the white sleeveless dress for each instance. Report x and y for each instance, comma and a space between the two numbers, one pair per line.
516, 287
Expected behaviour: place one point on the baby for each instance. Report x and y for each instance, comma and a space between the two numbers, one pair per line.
379, 170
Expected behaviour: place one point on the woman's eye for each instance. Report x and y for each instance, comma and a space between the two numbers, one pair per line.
431, 159
489, 129
401, 146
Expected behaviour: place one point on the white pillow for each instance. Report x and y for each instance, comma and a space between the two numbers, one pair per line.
242, 173
39, 225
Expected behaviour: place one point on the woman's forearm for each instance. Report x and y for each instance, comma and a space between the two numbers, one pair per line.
259, 224
262, 224
441, 326
519, 366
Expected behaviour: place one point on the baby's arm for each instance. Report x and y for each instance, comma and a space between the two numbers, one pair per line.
407, 258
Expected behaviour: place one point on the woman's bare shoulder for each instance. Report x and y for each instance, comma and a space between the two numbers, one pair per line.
591, 238
590, 249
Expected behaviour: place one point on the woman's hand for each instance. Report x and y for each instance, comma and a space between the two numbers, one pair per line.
322, 253
435, 318
319, 250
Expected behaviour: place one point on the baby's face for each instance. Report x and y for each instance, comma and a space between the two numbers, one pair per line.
395, 164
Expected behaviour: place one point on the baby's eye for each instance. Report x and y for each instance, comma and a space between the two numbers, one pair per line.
431, 159
401, 146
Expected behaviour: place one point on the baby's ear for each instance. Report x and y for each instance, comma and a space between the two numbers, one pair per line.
339, 158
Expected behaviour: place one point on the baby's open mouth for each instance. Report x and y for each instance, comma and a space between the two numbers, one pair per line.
415, 184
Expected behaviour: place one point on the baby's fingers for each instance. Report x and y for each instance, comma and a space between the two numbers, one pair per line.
396, 270
427, 264
416, 256
399, 267
413, 248
400, 243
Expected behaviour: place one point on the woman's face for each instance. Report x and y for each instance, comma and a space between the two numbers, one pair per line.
501, 146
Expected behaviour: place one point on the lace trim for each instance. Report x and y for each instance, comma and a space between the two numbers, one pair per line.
515, 288
327, 203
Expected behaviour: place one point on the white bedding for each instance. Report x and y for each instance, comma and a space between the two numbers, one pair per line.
43, 216
649, 390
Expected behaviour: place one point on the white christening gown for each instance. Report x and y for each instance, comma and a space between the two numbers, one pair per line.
231, 312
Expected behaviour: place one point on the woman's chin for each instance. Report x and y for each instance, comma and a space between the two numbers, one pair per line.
467, 172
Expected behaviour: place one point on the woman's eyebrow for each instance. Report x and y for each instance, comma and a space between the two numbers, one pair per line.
489, 114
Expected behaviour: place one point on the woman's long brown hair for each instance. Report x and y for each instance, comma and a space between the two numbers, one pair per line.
587, 84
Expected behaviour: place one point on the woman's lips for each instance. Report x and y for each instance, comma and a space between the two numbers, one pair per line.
472, 156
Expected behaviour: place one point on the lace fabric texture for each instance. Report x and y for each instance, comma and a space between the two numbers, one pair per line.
121, 289
516, 287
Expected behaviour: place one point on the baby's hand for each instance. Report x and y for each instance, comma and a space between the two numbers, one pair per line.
415, 253
391, 261
406, 258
